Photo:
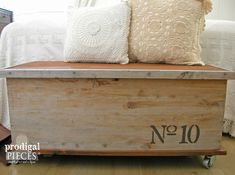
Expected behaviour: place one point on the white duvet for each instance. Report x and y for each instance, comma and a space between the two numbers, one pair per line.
44, 40
31, 40
25, 41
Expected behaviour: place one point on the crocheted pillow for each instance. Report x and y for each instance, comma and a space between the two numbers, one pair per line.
98, 34
167, 31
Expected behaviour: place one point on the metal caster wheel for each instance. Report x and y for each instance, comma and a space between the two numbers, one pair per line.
208, 161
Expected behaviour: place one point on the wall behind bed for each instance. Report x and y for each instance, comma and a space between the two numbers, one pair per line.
223, 10
31, 8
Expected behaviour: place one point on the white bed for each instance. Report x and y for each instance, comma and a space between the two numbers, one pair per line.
43, 39
39, 39
218, 48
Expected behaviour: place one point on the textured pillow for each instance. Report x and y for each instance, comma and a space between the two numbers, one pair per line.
80, 3
98, 34
167, 31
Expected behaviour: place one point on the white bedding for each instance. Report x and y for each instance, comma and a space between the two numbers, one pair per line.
30, 40
44, 40
218, 48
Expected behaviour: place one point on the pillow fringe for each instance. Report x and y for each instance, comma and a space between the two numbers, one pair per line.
207, 6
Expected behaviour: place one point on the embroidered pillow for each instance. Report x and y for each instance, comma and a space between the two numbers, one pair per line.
98, 34
167, 31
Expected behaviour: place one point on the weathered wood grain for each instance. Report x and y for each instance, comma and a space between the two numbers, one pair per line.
133, 71
63, 65
220, 151
115, 114
4, 133
5, 138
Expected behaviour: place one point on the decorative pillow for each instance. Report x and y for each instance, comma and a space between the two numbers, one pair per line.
80, 3
98, 34
167, 31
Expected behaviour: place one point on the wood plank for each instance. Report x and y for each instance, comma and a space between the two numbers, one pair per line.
64, 65
83, 165
134, 71
4, 133
146, 153
124, 74
115, 74
112, 114
5, 138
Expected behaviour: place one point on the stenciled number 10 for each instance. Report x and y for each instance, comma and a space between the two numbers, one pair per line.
187, 136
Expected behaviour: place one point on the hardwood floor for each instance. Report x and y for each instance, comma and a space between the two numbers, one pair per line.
72, 165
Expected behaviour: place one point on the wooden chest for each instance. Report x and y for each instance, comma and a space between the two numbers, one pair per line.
134, 110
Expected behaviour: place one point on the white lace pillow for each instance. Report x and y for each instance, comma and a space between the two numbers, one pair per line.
98, 34
167, 31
